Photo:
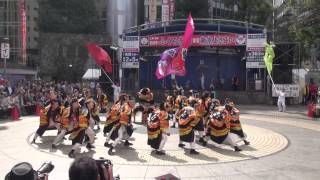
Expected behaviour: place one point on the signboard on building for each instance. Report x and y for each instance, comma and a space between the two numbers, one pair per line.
130, 52
291, 90
5, 51
152, 11
255, 50
165, 10
197, 40
172, 8
23, 30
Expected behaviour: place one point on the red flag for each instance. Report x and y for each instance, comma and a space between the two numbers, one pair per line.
178, 62
101, 57
187, 38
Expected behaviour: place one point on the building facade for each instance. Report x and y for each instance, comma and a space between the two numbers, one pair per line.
32, 8
10, 27
218, 9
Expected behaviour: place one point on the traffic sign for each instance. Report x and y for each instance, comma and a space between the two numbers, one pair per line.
5, 50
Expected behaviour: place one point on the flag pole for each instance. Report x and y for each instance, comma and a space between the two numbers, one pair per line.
272, 81
106, 74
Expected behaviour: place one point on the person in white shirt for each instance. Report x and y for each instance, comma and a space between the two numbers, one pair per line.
281, 101
202, 80
116, 91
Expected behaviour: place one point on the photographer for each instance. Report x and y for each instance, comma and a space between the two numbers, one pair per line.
25, 171
86, 168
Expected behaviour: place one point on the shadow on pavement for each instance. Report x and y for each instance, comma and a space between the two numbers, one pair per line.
200, 156
231, 152
168, 157
130, 154
247, 148
4, 128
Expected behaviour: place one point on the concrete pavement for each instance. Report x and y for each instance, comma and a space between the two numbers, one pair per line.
292, 152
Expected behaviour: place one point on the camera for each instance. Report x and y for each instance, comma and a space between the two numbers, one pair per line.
106, 163
45, 168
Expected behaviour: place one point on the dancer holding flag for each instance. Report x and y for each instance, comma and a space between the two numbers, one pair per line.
268, 60
101, 57
172, 61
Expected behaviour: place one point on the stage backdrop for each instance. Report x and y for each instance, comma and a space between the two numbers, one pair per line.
216, 67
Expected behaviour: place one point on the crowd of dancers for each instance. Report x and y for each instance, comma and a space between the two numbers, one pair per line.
199, 119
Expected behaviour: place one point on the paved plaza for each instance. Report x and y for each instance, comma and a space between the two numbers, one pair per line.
283, 146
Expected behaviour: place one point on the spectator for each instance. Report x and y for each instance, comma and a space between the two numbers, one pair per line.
212, 88
235, 83
212, 85
8, 88
116, 91
202, 81
313, 89
85, 168
221, 83
187, 85
281, 101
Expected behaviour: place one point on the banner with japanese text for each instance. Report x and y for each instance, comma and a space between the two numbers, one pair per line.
23, 29
130, 52
197, 40
255, 50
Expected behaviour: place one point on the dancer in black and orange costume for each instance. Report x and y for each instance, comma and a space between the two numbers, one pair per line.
123, 129
50, 119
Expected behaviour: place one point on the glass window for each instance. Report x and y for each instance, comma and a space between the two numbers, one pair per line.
159, 11
146, 12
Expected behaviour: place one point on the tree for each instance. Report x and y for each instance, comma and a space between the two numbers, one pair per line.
198, 8
304, 26
259, 12
71, 16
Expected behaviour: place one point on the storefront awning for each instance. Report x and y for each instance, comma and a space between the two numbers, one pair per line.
18, 71
92, 74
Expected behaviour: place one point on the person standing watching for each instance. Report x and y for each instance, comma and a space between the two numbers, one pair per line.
116, 91
281, 101
313, 89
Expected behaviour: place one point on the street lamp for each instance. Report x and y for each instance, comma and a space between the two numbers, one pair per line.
114, 47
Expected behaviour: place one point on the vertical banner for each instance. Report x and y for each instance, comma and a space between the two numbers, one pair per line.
5, 50
23, 30
130, 52
165, 10
152, 11
171, 9
255, 50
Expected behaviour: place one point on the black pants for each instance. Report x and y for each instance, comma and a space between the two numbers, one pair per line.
80, 137
40, 131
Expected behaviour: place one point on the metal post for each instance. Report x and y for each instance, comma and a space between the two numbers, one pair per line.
246, 79
273, 21
8, 19
5, 69
7, 33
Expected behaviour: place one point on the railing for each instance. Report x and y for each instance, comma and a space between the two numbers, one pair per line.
204, 21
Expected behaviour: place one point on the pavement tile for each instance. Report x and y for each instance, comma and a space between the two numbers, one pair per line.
300, 160
155, 171
193, 171
127, 171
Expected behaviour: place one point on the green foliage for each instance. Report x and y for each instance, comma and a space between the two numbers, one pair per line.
308, 35
252, 10
198, 8
69, 16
